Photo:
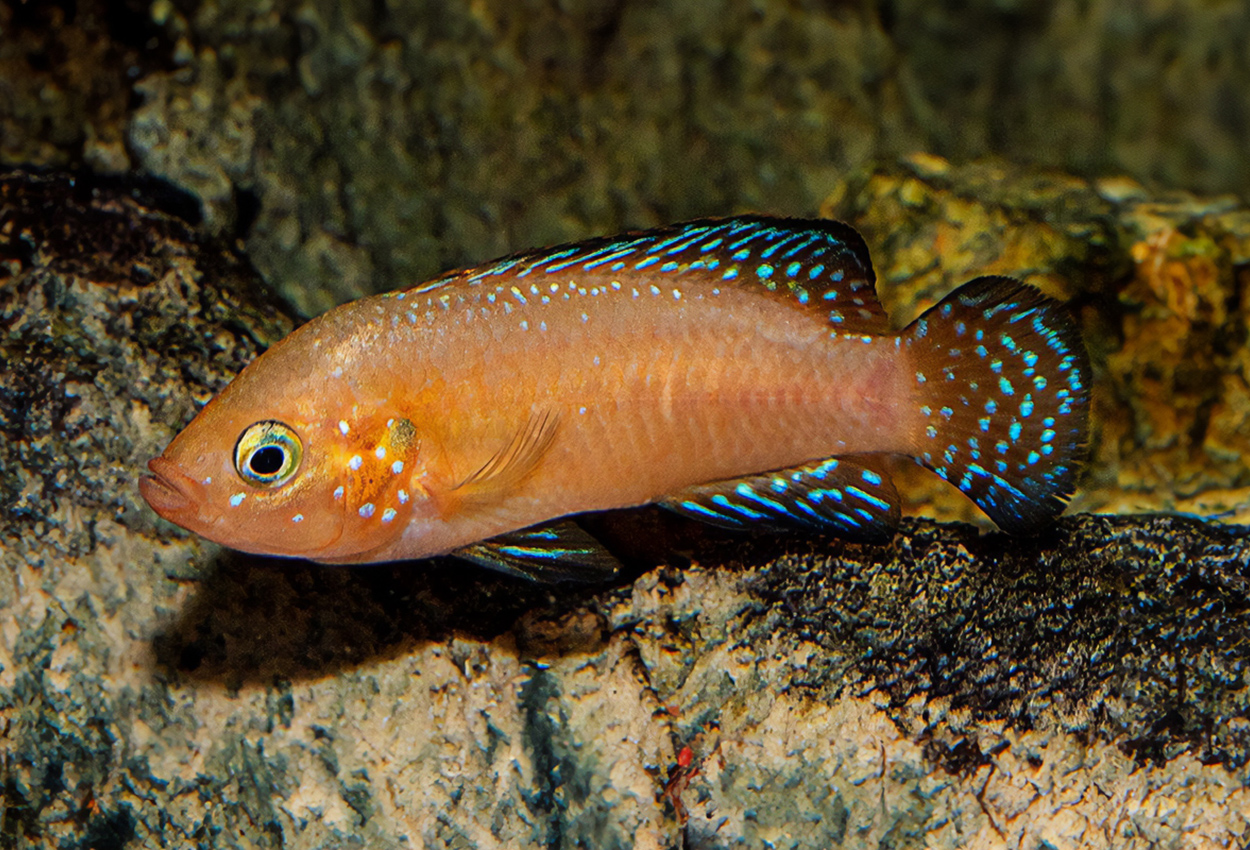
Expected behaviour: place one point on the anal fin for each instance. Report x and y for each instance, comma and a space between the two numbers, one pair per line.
852, 498
553, 552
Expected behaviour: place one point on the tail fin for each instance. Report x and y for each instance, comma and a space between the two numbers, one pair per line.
1003, 388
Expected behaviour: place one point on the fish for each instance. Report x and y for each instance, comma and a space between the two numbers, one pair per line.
741, 371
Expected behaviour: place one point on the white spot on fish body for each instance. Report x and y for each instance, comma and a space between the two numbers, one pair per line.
366, 510
525, 325
297, 518
237, 499
676, 294
338, 492
397, 467
542, 326
208, 480
344, 428
338, 372
403, 497
582, 411
380, 451
596, 360
655, 290
585, 318
616, 284
355, 462
388, 515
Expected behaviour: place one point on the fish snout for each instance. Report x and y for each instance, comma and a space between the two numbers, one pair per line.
168, 490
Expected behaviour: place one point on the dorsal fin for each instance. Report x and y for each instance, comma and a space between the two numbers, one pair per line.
819, 263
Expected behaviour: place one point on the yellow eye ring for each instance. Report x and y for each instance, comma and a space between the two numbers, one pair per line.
267, 454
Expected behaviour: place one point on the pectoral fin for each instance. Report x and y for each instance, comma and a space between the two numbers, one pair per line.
850, 498
555, 552
508, 466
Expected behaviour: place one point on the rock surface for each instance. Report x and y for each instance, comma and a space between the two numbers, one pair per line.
954, 689
357, 146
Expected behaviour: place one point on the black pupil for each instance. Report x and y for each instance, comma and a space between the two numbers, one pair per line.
267, 460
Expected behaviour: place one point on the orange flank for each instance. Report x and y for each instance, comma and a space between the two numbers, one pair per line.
741, 371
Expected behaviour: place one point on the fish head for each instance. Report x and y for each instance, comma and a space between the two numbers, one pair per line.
257, 477
271, 466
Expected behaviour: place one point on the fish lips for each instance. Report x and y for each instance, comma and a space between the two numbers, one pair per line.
169, 491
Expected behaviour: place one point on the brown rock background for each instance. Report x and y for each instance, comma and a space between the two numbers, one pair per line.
954, 689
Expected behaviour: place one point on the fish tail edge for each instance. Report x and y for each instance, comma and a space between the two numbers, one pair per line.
1002, 380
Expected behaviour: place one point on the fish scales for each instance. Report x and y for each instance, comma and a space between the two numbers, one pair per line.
738, 370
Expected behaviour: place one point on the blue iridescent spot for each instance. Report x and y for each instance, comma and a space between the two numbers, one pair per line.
815, 272
1005, 387
765, 271
644, 263
1026, 407
708, 246
1047, 449
922, 328
1048, 435
991, 406
837, 275
617, 266
931, 432
729, 274
870, 476
793, 269
1003, 446
982, 350
926, 410
1014, 431
835, 317
1030, 359
946, 412
984, 423
742, 255
1034, 457
669, 267
960, 328
1039, 382
1009, 343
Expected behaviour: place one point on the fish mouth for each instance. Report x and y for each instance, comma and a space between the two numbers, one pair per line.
168, 490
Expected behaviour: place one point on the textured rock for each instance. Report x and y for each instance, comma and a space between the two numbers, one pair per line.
1084, 688
1159, 282
362, 145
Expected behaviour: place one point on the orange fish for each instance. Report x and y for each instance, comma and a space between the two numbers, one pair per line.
741, 371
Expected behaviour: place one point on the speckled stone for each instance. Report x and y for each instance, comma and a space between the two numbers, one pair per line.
358, 146
1083, 688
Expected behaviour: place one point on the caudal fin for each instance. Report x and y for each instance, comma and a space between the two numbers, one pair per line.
1002, 380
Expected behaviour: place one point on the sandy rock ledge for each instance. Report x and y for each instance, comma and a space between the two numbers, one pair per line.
1087, 688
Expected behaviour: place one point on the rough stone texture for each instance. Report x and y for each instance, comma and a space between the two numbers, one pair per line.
1085, 688
1159, 282
362, 145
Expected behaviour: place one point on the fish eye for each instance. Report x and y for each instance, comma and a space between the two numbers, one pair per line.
267, 454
